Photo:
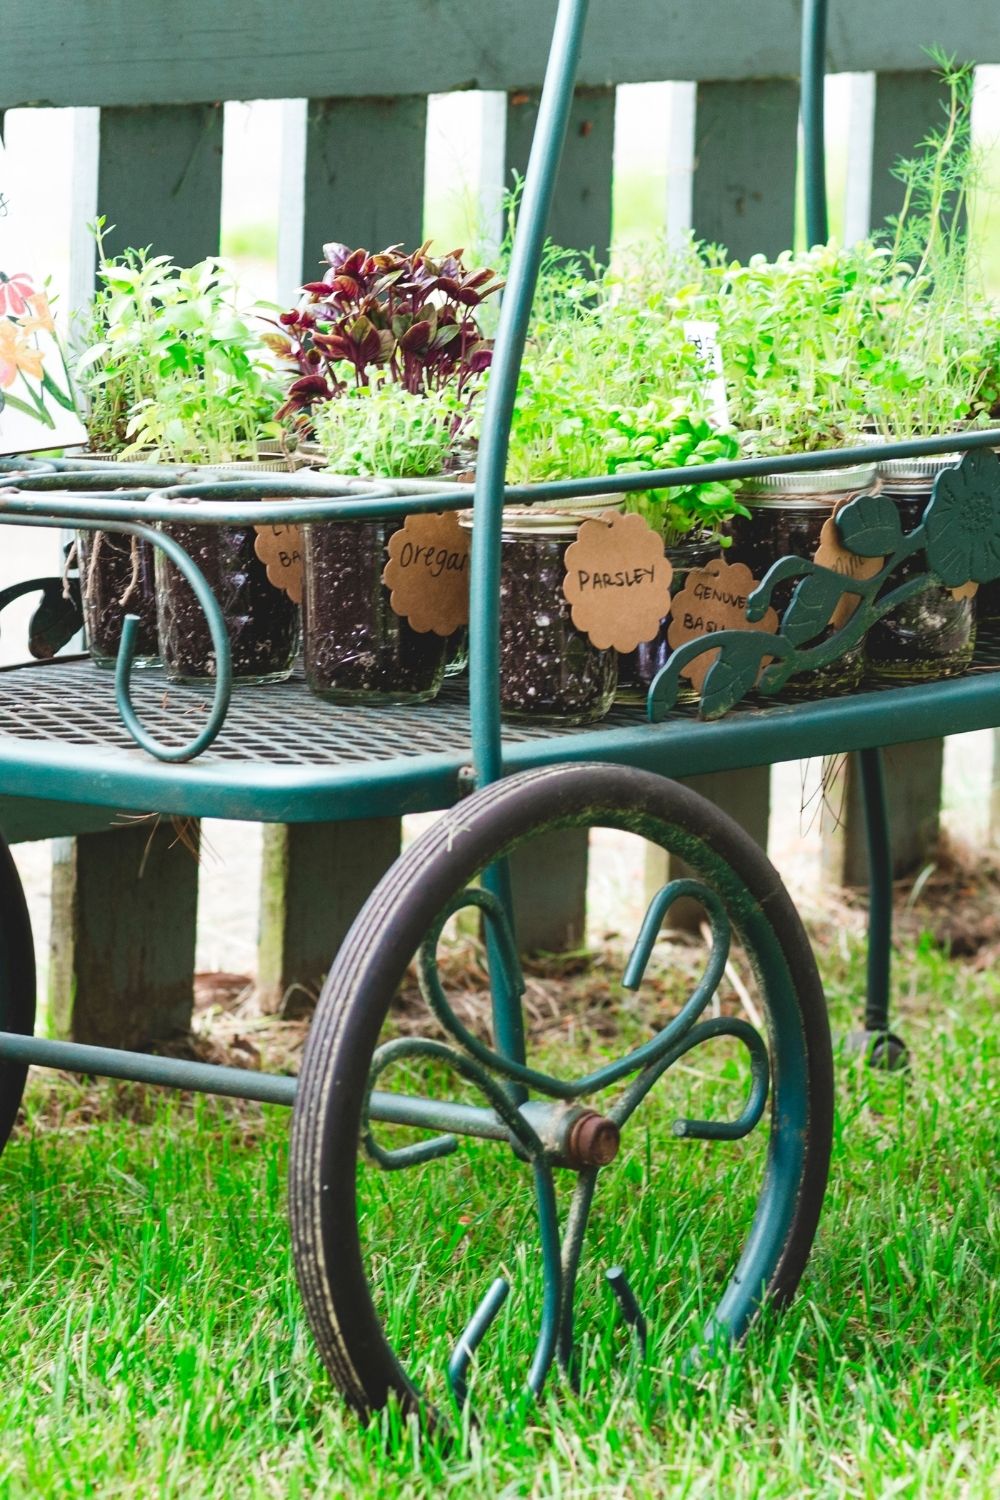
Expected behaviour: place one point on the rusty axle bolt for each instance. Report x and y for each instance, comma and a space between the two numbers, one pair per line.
593, 1141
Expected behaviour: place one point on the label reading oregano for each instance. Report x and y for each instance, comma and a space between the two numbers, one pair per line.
428, 573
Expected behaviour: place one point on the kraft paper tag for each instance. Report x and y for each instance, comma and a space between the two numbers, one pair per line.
428, 573
713, 598
280, 550
965, 590
831, 553
617, 581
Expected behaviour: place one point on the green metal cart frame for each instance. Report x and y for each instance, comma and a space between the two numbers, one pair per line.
502, 786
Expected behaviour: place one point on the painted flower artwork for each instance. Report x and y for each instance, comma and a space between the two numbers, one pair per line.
37, 405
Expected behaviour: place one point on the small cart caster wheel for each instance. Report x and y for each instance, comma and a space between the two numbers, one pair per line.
883, 1050
456, 1203
17, 985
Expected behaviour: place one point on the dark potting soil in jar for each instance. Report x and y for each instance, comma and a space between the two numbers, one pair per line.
932, 635
261, 621
636, 669
357, 649
787, 516
117, 575
548, 668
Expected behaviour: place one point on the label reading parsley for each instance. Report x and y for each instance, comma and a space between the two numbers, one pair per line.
617, 581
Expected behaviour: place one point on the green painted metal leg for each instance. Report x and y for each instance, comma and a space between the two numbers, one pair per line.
879, 889
879, 1045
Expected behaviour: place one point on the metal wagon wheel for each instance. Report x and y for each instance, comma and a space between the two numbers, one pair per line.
17, 985
380, 1252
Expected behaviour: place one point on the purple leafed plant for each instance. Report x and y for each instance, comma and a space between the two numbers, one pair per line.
408, 319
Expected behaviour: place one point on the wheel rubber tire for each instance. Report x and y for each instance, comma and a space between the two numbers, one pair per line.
17, 985
367, 973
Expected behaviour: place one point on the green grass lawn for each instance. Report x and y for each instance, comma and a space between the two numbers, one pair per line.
154, 1344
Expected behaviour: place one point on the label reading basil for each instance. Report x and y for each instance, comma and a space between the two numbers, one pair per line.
280, 550
428, 573
713, 598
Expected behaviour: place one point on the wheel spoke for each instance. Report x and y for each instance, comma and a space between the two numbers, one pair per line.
706, 1130
472, 1336
646, 1056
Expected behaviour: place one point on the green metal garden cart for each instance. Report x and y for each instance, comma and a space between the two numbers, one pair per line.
359, 1145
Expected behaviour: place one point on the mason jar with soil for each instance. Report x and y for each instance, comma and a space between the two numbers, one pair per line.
261, 621
357, 648
637, 669
932, 635
787, 515
117, 574
549, 670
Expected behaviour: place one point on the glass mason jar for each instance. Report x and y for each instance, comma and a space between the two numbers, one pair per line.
932, 635
117, 578
357, 649
261, 621
549, 670
636, 669
787, 515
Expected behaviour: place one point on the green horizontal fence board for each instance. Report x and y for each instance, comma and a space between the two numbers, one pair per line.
743, 189
159, 179
120, 52
581, 206
364, 174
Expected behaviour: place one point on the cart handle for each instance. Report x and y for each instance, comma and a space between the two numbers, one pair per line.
515, 312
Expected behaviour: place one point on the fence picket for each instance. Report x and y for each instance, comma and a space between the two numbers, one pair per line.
743, 190
159, 179
581, 208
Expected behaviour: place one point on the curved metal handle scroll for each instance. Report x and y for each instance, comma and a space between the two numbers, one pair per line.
529, 241
126, 652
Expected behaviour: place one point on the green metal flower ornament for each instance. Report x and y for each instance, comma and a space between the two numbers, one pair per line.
962, 522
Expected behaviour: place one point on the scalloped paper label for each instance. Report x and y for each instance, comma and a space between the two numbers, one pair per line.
714, 598
280, 550
428, 573
617, 581
831, 553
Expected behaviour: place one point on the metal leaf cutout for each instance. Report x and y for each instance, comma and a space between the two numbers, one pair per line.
870, 526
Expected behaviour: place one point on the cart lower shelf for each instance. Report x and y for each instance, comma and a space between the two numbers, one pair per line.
285, 756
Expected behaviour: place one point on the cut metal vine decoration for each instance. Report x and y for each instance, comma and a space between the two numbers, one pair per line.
959, 534
544, 1131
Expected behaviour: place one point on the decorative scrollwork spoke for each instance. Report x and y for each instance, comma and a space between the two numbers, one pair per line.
496, 1077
